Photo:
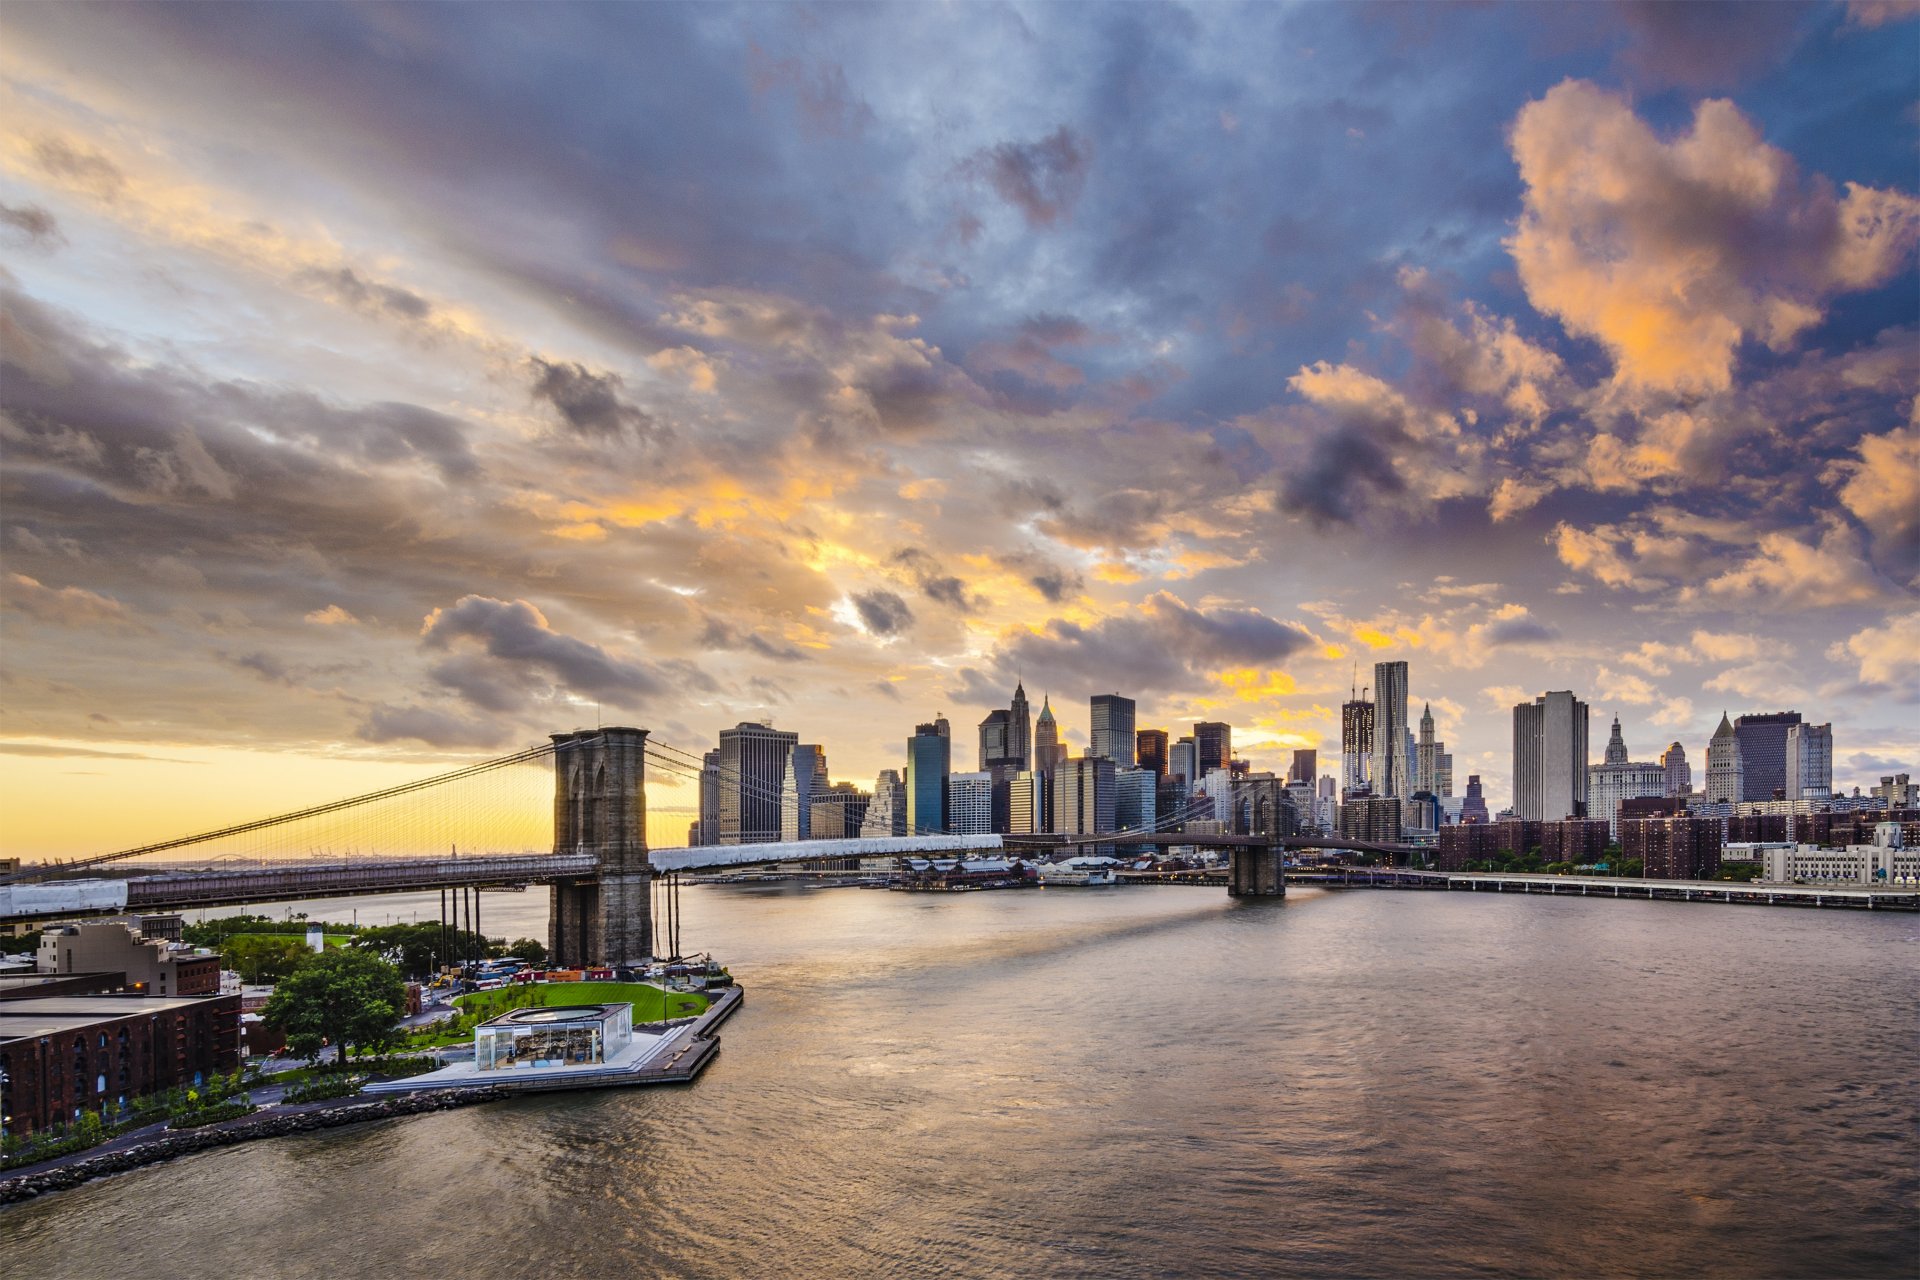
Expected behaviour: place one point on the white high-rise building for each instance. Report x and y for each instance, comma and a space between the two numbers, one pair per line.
1725, 774
1621, 779
1550, 758
1809, 761
970, 803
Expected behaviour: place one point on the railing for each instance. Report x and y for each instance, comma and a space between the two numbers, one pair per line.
342, 878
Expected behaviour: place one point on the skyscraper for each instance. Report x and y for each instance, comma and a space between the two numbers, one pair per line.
1212, 747
1679, 772
1724, 768
1474, 807
1306, 765
929, 760
887, 812
1151, 752
1809, 761
1550, 758
970, 803
1047, 749
1083, 798
1390, 764
1763, 753
1619, 779
1426, 756
996, 738
1020, 728
753, 762
1029, 802
804, 777
1113, 734
1356, 743
1133, 799
710, 791
1182, 764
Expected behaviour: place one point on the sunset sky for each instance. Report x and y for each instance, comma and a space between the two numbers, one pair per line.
388, 387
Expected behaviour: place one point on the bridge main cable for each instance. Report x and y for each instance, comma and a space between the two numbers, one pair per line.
258, 824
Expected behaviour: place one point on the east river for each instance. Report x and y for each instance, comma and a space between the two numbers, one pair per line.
1138, 1081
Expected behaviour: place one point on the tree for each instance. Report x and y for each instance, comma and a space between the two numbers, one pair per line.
264, 957
534, 953
418, 948
347, 997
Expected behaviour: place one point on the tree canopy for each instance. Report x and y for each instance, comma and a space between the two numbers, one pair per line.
264, 957
344, 997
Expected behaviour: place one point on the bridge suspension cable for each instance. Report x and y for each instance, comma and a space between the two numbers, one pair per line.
527, 756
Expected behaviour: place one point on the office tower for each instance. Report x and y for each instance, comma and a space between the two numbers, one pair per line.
1474, 807
1391, 765
708, 828
1151, 751
1725, 770
929, 759
1047, 751
840, 812
1356, 744
1212, 747
1183, 764
1113, 735
804, 778
1020, 728
1306, 765
996, 737
1432, 766
1679, 772
1029, 802
1443, 772
753, 762
887, 812
1809, 761
970, 803
1763, 753
1619, 779
1083, 799
1550, 758
1133, 799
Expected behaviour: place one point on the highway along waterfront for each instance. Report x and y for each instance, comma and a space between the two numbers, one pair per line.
1138, 1081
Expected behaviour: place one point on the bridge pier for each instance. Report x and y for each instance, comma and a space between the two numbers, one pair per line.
1257, 873
600, 807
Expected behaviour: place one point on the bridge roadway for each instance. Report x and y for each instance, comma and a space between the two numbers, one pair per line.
227, 887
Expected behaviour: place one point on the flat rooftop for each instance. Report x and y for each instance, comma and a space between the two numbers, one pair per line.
53, 1015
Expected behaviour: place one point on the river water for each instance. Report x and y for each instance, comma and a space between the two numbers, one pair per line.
1134, 1082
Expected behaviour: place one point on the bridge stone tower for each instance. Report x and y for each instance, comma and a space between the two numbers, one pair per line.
1257, 872
600, 807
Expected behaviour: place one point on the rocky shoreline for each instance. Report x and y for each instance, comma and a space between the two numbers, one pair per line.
270, 1124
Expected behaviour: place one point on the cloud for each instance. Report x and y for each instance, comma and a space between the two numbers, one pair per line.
1878, 13
883, 613
1876, 764
716, 634
1595, 552
1056, 583
371, 297
1767, 681
332, 616
1882, 490
1372, 441
55, 752
518, 635
1042, 179
1888, 654
1786, 571
932, 580
430, 725
589, 403
1671, 253
1163, 644
33, 222
1619, 686
1706, 43
80, 165
74, 607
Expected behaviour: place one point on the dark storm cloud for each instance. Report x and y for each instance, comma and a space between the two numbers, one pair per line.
1163, 647
1042, 178
515, 632
932, 580
1340, 466
33, 222
1055, 582
718, 634
1521, 631
883, 612
352, 289
589, 403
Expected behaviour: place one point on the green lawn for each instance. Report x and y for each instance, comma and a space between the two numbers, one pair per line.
650, 1003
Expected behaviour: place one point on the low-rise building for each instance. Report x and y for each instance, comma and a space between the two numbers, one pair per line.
153, 966
1673, 848
65, 1055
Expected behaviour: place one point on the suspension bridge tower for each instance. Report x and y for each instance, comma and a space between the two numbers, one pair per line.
600, 807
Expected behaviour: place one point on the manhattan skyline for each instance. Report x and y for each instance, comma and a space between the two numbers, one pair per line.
389, 387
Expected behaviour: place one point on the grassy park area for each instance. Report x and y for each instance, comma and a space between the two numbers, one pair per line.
650, 1004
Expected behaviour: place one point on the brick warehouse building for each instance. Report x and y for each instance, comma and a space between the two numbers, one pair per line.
62, 1055
1673, 848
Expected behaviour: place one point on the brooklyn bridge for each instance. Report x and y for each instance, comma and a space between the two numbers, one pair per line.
609, 889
